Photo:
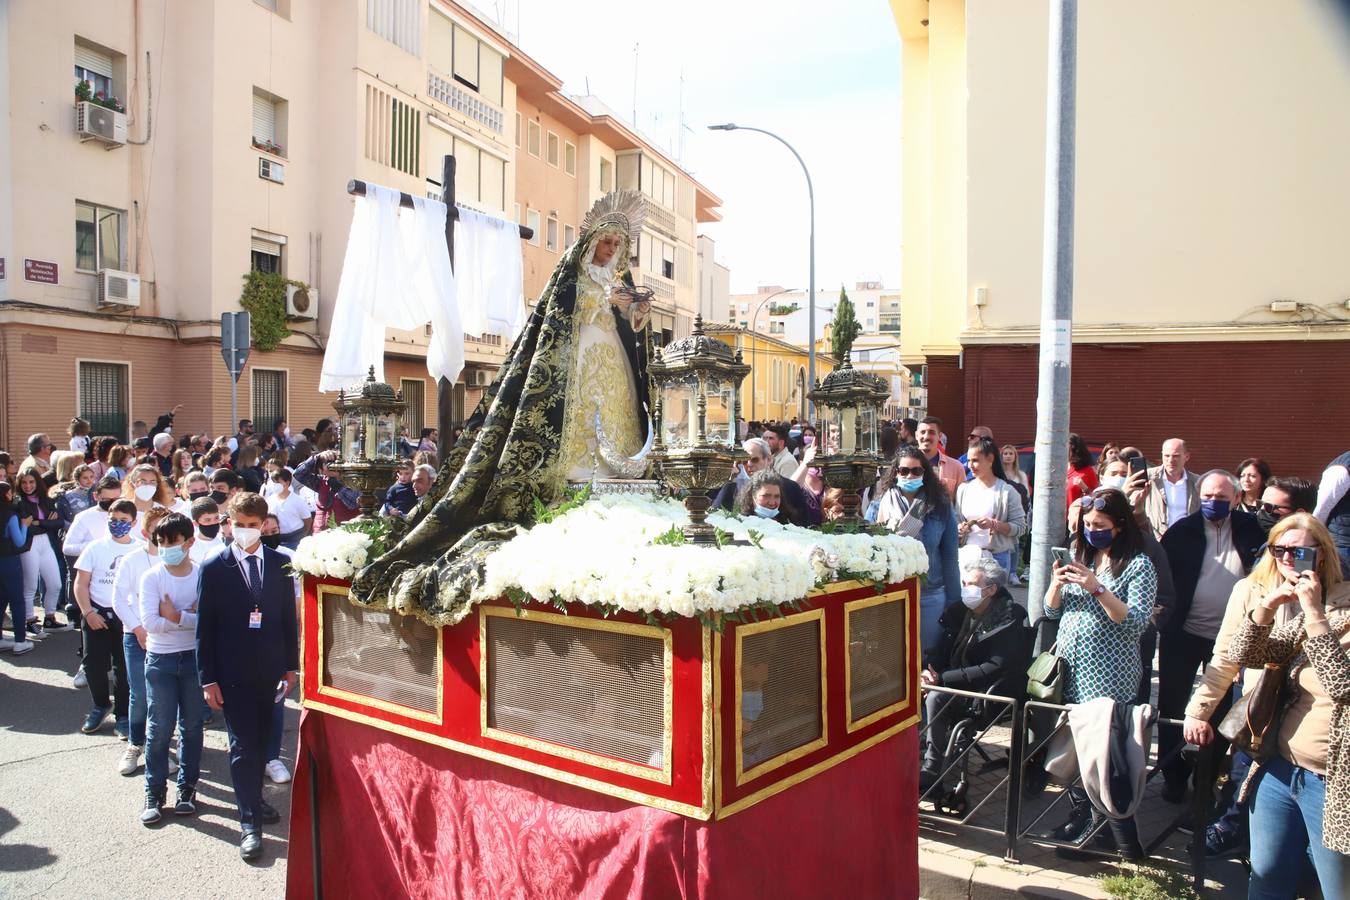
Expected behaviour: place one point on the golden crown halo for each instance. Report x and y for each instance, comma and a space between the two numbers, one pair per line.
626, 209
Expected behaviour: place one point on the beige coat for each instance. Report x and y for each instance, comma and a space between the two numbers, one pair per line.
1155, 501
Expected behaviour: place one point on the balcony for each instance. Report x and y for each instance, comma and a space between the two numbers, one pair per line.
660, 287
661, 219
465, 102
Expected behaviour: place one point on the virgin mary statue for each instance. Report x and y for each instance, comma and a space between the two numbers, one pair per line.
568, 404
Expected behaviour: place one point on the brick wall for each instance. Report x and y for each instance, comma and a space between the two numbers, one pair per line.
1285, 401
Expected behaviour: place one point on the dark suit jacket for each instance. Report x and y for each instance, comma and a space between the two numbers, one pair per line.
228, 651
1185, 546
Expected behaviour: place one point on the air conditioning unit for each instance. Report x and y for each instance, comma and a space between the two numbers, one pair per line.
481, 378
301, 302
119, 289
98, 123
271, 170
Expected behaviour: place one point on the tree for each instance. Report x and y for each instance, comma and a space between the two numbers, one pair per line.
845, 328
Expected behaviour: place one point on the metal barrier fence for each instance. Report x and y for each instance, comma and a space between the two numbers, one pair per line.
962, 728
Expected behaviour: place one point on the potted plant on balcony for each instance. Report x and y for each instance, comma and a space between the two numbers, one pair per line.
85, 92
268, 146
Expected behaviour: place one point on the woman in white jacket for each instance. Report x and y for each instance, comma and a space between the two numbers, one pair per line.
989, 510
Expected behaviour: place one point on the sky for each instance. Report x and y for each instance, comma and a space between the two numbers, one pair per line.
825, 77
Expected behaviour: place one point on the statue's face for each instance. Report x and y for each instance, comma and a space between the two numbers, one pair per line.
606, 247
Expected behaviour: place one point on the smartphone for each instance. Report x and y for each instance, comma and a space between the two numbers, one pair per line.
1138, 464
1306, 561
1061, 555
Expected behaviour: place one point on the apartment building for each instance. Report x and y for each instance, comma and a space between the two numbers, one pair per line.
776, 388
1211, 195
190, 144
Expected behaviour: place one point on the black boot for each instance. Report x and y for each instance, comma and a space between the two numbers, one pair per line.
1076, 827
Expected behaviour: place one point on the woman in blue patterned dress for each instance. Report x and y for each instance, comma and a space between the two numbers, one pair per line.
1103, 599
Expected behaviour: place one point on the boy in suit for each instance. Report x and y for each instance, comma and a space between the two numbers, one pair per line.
248, 652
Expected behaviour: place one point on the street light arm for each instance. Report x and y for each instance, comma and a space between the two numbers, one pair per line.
810, 189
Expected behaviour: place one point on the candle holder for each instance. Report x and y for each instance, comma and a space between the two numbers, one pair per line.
368, 422
850, 405
696, 390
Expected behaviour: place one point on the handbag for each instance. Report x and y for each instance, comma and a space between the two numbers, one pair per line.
1045, 678
1253, 722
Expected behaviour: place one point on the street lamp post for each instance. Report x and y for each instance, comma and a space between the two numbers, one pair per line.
754, 347
811, 313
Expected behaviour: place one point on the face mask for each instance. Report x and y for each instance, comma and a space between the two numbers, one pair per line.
209, 532
271, 540
145, 492
286, 432
808, 439
172, 556
197, 495
752, 704
246, 537
909, 485
104, 504
1266, 520
764, 512
119, 528
219, 497
1100, 539
1215, 510
1114, 481
971, 595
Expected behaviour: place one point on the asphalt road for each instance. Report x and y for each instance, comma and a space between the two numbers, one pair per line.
69, 822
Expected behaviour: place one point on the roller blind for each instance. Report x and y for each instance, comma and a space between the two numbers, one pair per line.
98, 63
466, 56
261, 245
492, 192
264, 119
490, 74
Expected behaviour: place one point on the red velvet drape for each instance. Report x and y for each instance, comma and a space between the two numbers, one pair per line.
399, 817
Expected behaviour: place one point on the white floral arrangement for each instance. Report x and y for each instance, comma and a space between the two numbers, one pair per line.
601, 554
335, 553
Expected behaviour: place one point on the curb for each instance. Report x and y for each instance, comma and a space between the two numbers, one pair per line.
946, 877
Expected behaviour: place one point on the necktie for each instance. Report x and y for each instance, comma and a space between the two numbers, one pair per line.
254, 578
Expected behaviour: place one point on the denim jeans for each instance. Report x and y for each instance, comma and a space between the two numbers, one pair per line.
136, 703
175, 694
1286, 826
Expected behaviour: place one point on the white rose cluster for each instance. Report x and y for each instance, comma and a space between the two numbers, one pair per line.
335, 553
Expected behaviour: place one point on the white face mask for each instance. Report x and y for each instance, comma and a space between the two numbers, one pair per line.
1114, 481
247, 537
146, 492
971, 595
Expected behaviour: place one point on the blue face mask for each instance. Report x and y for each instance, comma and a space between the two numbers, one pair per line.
1100, 539
909, 485
1215, 510
172, 556
752, 704
764, 512
118, 528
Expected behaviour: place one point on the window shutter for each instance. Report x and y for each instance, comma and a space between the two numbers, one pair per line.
269, 397
271, 248
264, 119
103, 397
98, 63
466, 56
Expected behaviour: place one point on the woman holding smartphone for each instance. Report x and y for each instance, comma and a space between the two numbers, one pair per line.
1103, 598
1300, 796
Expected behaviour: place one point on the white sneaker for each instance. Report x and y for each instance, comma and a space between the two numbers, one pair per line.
6, 643
80, 681
131, 760
23, 647
276, 770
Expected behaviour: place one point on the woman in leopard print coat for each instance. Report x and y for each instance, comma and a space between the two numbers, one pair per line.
1300, 793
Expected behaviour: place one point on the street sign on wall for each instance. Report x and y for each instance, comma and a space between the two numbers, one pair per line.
39, 270
234, 341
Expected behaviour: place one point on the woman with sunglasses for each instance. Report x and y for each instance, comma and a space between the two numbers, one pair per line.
916, 504
1103, 599
1300, 795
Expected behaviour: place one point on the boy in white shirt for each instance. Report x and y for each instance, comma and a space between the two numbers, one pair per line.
206, 516
126, 603
294, 517
168, 608
95, 572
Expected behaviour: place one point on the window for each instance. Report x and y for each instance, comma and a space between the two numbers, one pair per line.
269, 397
569, 235
414, 415
265, 255
99, 235
269, 122
570, 157
397, 21
668, 261
393, 134
606, 175
267, 4
532, 221
103, 397
552, 234
94, 68
532, 135
552, 149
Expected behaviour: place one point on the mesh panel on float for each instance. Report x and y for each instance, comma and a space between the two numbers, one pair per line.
784, 663
379, 654
595, 690
876, 658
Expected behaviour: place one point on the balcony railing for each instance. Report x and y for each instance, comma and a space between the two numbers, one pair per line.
466, 102
662, 220
660, 288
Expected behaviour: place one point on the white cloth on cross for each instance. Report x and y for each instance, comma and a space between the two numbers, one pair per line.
488, 274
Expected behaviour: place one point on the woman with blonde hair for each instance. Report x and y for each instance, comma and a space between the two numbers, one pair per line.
145, 486
1299, 795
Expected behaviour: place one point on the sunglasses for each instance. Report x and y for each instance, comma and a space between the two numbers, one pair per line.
1272, 509
1300, 553
1097, 503
907, 472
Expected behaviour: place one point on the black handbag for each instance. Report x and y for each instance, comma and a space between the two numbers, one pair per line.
1253, 723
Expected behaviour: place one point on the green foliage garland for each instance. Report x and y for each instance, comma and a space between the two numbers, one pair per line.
264, 297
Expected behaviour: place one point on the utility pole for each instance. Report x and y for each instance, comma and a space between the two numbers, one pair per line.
1052, 396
